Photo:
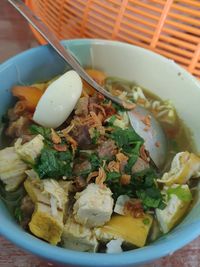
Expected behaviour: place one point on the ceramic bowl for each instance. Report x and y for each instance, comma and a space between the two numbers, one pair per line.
154, 72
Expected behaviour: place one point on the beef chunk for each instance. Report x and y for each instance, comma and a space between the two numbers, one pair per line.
107, 149
140, 165
27, 208
81, 134
82, 106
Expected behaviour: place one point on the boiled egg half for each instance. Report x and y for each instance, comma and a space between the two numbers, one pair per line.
58, 101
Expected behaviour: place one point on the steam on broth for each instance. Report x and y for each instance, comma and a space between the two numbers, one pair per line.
91, 180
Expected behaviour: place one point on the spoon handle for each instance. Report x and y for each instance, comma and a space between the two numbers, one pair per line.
51, 38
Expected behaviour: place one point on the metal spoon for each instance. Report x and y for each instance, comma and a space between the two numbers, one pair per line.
152, 137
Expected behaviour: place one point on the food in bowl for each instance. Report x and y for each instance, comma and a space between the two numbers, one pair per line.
83, 179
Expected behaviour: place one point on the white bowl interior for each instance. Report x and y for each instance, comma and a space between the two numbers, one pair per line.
158, 74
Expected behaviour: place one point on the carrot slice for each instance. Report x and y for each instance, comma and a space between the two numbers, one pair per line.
29, 95
98, 76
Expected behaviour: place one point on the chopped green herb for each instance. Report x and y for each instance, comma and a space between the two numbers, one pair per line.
45, 132
182, 193
146, 221
106, 101
111, 120
144, 179
18, 214
54, 164
95, 136
113, 177
130, 142
146, 189
132, 160
151, 198
126, 137
117, 107
95, 161
65, 156
118, 189
135, 149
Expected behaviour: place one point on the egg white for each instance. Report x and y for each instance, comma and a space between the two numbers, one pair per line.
58, 101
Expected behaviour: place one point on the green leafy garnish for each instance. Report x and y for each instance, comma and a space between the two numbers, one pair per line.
147, 190
182, 193
119, 189
130, 142
146, 221
54, 164
125, 138
132, 160
114, 105
112, 177
95, 136
45, 132
18, 214
95, 161
117, 107
151, 198
111, 120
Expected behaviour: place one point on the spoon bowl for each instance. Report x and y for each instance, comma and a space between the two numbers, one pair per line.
151, 132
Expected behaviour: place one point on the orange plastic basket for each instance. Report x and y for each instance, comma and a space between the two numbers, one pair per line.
168, 27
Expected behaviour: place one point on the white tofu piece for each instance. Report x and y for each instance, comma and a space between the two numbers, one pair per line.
119, 205
78, 237
93, 206
45, 225
30, 150
12, 168
104, 236
114, 246
50, 201
47, 191
184, 166
175, 209
52, 188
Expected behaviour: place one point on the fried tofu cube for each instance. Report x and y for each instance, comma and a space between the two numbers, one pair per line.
184, 166
30, 150
50, 208
44, 225
44, 190
131, 230
12, 168
34, 189
177, 205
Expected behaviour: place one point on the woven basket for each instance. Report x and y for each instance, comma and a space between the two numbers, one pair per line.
168, 27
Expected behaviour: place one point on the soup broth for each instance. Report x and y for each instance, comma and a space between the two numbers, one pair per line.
90, 184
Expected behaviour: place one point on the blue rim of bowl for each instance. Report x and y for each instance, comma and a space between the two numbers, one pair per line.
28, 242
